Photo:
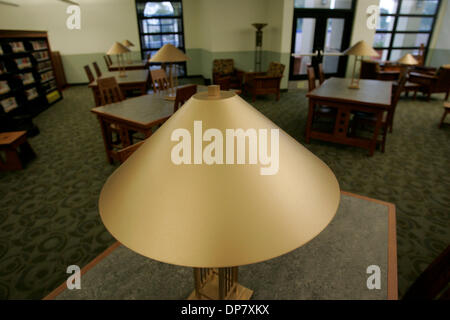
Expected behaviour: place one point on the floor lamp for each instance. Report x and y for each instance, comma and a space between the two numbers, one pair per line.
359, 50
170, 55
128, 44
213, 216
258, 45
118, 49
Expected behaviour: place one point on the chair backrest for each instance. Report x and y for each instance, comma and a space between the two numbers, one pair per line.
183, 95
160, 81
97, 70
311, 78
443, 74
276, 69
420, 57
109, 91
108, 65
89, 74
321, 74
369, 69
223, 66
109, 59
398, 91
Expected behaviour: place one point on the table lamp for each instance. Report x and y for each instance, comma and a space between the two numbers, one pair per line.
118, 49
216, 216
168, 53
128, 44
360, 49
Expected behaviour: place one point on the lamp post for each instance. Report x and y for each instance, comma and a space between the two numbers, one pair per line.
359, 50
170, 54
258, 45
128, 44
216, 216
118, 49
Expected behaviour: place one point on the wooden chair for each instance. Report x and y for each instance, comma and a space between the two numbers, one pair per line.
420, 57
388, 117
125, 153
160, 82
97, 70
321, 74
89, 74
319, 111
446, 111
108, 62
227, 75
16, 148
433, 83
433, 282
257, 83
183, 95
371, 70
109, 91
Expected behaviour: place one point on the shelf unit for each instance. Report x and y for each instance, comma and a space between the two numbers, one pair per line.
27, 75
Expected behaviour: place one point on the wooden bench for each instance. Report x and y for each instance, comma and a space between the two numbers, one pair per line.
16, 149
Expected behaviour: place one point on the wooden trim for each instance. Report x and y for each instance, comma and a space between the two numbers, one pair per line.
392, 285
52, 295
22, 34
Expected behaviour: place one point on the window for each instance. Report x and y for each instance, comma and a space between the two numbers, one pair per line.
160, 23
403, 26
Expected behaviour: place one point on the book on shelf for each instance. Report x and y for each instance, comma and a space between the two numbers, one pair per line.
47, 76
23, 63
2, 68
4, 87
44, 65
9, 104
39, 45
17, 46
26, 78
31, 94
41, 55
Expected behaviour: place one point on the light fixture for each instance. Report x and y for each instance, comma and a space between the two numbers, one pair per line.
216, 217
128, 44
168, 53
360, 49
118, 49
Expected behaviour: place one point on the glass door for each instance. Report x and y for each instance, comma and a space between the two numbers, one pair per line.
319, 36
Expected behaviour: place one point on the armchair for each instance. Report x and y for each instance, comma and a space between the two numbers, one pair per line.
372, 70
265, 82
433, 83
226, 75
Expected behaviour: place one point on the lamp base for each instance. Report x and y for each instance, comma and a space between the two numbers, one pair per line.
122, 75
353, 86
170, 97
211, 288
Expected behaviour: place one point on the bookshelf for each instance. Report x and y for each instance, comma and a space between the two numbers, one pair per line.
27, 75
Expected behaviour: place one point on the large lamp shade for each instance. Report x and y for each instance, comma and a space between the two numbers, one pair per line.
217, 215
408, 59
359, 49
169, 53
117, 48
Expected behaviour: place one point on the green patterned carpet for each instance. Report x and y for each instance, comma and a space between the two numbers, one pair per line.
49, 217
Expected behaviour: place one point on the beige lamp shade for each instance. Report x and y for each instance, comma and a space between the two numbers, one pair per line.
117, 48
127, 43
217, 215
169, 53
408, 59
361, 48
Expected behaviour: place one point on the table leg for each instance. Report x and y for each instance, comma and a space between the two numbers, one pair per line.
106, 138
309, 121
375, 133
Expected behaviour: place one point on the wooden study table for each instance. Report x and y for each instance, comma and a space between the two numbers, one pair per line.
135, 114
373, 96
134, 80
134, 65
331, 266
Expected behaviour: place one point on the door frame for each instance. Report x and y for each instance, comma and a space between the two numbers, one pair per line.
321, 16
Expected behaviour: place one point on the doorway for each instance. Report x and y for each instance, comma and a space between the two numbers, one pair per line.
319, 36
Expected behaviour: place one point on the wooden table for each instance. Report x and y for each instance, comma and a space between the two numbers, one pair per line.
331, 266
373, 96
134, 65
134, 80
135, 114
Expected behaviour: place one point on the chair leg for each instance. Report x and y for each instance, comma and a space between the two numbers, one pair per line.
446, 96
443, 118
253, 97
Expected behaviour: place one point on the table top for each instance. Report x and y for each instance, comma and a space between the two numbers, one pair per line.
375, 93
132, 76
143, 110
331, 266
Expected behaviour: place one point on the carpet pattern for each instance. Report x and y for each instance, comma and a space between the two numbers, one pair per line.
49, 216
